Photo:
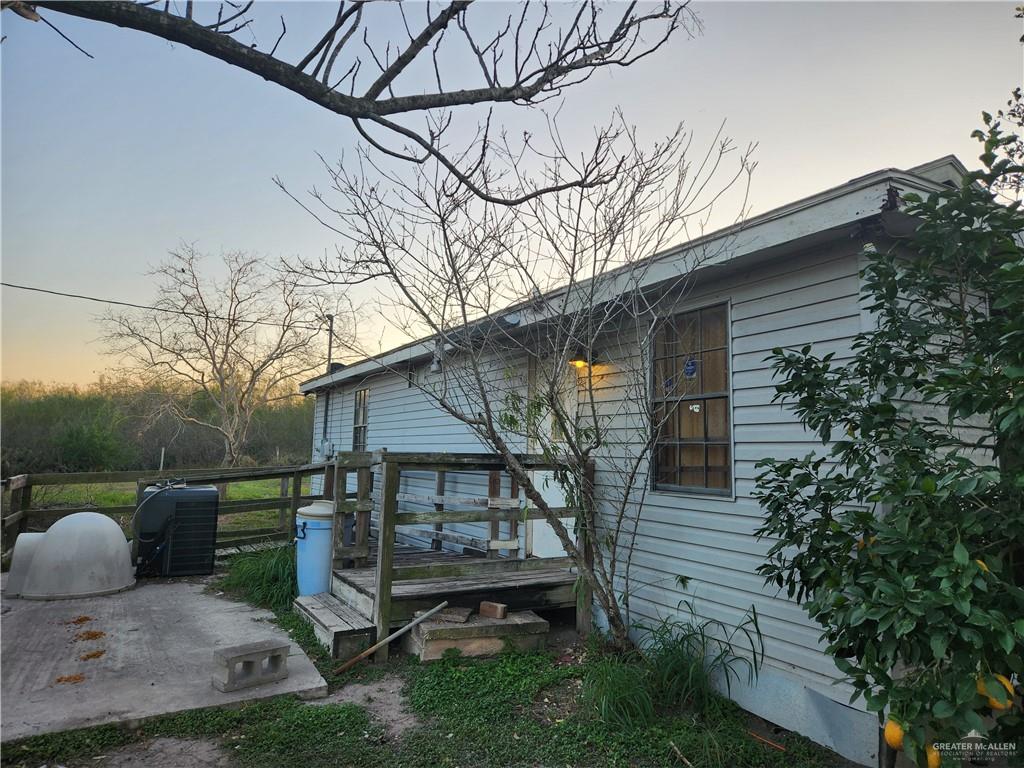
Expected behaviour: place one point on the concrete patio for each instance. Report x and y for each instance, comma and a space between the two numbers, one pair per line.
130, 656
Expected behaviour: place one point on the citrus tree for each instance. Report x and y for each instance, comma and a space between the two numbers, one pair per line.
904, 539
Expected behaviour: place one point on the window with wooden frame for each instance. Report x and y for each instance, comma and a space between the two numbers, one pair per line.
691, 401
360, 419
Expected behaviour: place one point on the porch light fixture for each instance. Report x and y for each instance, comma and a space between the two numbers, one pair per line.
580, 359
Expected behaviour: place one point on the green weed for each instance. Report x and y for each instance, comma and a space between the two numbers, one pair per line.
265, 578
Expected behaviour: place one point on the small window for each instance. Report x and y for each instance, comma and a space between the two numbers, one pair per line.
360, 419
690, 402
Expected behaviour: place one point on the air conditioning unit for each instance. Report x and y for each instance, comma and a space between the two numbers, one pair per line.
176, 530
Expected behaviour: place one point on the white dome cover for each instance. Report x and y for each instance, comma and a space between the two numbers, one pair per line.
81, 555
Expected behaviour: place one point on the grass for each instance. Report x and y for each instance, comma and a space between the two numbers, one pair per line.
474, 713
519, 709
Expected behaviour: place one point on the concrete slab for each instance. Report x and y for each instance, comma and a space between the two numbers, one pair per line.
141, 653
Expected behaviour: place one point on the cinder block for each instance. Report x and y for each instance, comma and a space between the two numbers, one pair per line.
491, 610
249, 664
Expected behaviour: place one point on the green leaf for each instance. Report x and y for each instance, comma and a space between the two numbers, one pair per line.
943, 709
939, 643
960, 554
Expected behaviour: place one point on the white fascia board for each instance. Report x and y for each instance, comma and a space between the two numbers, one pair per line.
858, 199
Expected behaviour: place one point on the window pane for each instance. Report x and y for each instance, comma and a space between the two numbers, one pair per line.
664, 340
713, 327
719, 470
716, 377
663, 381
686, 328
688, 375
692, 465
667, 464
665, 423
717, 418
691, 420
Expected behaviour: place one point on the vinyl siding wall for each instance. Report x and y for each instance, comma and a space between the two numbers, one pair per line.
793, 300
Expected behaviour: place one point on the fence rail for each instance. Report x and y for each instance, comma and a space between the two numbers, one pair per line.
493, 509
20, 514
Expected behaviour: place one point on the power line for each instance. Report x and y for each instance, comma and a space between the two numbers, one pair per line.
98, 300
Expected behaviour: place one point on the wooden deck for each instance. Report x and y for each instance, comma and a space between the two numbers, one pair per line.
520, 590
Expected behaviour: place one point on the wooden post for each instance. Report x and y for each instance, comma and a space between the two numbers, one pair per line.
585, 594
494, 529
328, 483
296, 501
17, 505
364, 493
282, 514
435, 544
513, 525
340, 484
390, 483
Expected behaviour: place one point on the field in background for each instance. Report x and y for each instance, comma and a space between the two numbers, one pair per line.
118, 494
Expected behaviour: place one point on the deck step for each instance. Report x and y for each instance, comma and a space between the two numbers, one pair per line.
339, 628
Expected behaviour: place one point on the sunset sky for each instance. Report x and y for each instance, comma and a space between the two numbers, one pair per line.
108, 163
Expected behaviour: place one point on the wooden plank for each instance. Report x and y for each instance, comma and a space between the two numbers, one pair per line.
480, 461
390, 483
276, 536
350, 615
439, 486
364, 489
226, 533
475, 516
296, 501
339, 484
354, 459
17, 481
487, 502
493, 526
58, 512
513, 525
14, 518
478, 567
463, 539
149, 476
350, 552
495, 545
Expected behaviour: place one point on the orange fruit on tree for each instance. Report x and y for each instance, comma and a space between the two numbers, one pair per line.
992, 701
893, 734
933, 756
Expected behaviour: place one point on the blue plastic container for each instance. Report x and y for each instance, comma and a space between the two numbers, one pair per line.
313, 543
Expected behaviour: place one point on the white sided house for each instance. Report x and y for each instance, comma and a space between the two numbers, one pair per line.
787, 278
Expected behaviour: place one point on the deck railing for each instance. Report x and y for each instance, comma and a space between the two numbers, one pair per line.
492, 509
20, 514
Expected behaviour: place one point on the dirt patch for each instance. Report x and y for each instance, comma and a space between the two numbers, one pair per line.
79, 620
70, 679
91, 655
383, 699
90, 634
166, 753
558, 702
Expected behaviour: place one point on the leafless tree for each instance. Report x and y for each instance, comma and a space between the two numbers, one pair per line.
371, 60
220, 349
542, 317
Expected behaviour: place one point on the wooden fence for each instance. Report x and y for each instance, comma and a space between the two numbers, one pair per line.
20, 515
492, 509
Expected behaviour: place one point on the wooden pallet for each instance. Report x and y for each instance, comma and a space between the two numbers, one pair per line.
338, 627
